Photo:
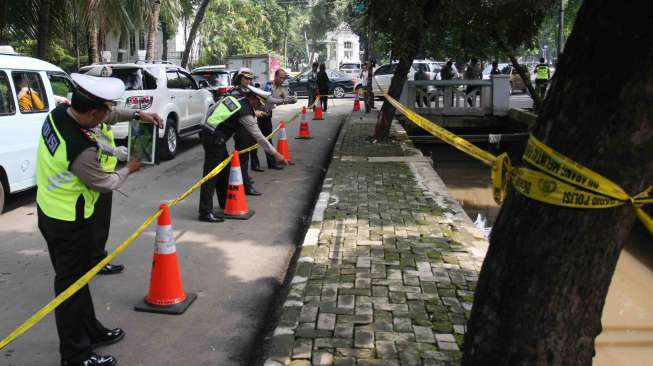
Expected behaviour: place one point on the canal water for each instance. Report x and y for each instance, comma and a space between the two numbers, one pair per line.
627, 337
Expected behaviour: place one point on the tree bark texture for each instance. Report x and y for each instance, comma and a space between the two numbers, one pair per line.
387, 113
543, 283
94, 54
193, 32
369, 89
153, 27
164, 43
43, 36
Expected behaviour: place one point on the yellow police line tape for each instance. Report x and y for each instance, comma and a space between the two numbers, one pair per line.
88, 276
561, 181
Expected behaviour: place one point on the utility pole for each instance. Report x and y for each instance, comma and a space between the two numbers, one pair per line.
285, 42
561, 31
369, 93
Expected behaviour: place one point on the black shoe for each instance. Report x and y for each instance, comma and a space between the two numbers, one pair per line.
277, 167
111, 269
210, 217
94, 360
110, 336
258, 169
252, 192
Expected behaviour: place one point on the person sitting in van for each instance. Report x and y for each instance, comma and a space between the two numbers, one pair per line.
29, 100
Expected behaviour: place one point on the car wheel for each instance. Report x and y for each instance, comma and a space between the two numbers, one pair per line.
168, 144
338, 92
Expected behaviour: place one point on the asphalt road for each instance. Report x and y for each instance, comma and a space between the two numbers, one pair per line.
235, 267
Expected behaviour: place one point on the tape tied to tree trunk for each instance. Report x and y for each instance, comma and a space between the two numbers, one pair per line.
560, 181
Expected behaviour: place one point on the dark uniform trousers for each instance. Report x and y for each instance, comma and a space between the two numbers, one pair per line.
265, 125
101, 225
243, 140
215, 151
71, 252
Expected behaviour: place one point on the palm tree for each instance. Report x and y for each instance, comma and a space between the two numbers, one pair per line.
153, 25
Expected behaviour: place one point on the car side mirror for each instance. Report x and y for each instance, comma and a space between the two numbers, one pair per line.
204, 84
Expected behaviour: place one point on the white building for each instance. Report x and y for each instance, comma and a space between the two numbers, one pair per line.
132, 47
342, 47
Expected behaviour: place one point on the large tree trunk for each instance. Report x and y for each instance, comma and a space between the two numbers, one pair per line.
164, 43
387, 113
94, 53
543, 284
193, 32
43, 36
153, 28
369, 50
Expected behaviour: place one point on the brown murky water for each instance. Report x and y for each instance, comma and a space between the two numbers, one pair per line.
627, 337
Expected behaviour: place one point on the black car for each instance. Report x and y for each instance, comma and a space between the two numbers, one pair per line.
339, 83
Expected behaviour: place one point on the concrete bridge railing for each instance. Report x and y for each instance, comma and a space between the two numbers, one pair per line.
459, 97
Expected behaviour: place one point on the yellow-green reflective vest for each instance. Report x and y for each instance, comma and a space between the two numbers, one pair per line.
58, 189
542, 72
226, 108
107, 161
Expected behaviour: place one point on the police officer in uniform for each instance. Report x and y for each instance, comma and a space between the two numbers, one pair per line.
231, 116
69, 181
542, 76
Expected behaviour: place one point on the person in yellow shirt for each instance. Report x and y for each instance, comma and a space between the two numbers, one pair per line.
28, 100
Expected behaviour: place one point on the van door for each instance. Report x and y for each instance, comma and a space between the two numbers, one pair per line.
20, 126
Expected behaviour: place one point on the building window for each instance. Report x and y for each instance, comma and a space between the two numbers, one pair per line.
348, 55
141, 40
132, 44
348, 45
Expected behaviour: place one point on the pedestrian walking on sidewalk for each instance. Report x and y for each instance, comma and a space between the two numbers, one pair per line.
323, 86
69, 180
225, 119
280, 95
311, 85
542, 76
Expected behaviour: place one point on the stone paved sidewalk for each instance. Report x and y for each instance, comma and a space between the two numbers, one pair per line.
388, 266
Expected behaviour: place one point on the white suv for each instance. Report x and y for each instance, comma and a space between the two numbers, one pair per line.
166, 89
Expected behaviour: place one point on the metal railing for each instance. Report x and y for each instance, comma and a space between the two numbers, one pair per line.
458, 97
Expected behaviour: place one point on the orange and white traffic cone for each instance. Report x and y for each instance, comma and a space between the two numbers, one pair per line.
236, 206
357, 103
166, 293
282, 143
317, 111
304, 130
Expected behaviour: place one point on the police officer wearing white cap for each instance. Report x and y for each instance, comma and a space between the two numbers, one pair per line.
231, 116
69, 180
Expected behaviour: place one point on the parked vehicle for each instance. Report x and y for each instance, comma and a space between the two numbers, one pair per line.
218, 79
516, 82
501, 66
166, 89
339, 83
263, 66
352, 69
29, 89
383, 74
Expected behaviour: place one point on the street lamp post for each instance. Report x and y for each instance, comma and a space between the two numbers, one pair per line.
545, 53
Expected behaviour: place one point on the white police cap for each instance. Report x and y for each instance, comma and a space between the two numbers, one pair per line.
262, 94
106, 89
246, 72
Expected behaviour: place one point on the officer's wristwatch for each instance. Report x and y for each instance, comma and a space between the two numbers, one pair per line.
137, 116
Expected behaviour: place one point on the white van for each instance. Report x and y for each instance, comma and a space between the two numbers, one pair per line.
28, 87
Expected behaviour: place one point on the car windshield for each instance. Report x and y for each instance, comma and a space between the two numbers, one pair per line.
335, 74
135, 78
215, 78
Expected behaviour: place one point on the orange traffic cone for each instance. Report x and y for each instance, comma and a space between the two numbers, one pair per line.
304, 130
282, 143
317, 111
357, 103
236, 207
166, 294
